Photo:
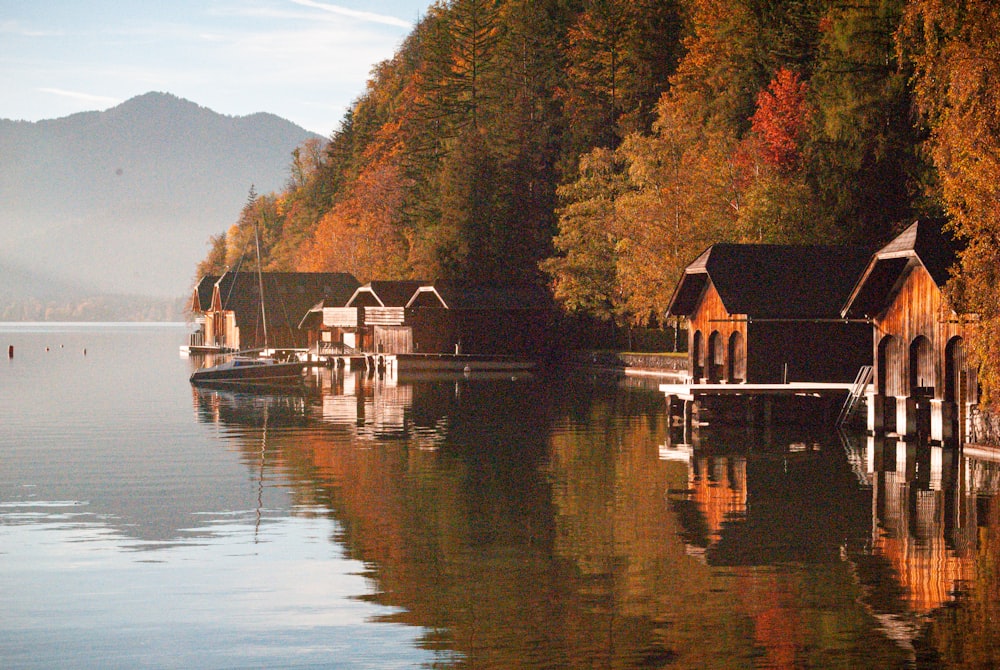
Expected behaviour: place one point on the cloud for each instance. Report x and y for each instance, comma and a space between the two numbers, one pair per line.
86, 98
370, 17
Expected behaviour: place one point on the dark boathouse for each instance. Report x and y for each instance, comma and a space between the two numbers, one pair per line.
770, 314
233, 318
923, 381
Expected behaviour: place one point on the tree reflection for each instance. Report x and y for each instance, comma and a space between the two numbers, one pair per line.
567, 522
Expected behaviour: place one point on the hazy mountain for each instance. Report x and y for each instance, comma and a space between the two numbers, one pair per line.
123, 201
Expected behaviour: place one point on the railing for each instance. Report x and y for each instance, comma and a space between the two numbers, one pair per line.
335, 349
858, 389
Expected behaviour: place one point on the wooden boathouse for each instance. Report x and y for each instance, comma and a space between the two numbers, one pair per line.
371, 320
436, 324
466, 319
923, 381
232, 318
201, 341
762, 314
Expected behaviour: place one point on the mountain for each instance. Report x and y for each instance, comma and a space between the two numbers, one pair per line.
123, 201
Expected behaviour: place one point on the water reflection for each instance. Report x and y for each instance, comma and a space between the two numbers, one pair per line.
915, 523
567, 522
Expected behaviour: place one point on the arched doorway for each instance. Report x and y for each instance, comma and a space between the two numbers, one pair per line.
957, 387
716, 357
736, 371
922, 377
697, 353
889, 380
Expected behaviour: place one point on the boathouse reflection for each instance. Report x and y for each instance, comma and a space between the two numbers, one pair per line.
931, 510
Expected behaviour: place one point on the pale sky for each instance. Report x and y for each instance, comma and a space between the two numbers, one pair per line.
304, 60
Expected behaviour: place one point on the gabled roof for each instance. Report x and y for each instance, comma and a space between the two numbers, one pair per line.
384, 293
287, 297
460, 295
201, 299
772, 280
921, 244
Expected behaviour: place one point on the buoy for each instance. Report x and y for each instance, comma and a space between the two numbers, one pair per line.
85, 351
46, 348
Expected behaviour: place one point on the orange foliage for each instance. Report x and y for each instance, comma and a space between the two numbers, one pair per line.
779, 124
362, 234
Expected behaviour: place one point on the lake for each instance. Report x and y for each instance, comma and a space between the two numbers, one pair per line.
553, 520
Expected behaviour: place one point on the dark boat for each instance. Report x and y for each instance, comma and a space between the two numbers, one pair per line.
246, 371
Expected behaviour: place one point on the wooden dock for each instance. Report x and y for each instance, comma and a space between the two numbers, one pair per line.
691, 391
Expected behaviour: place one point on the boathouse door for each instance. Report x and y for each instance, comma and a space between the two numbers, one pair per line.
922, 379
956, 384
736, 364
697, 364
393, 339
715, 358
889, 381
954, 364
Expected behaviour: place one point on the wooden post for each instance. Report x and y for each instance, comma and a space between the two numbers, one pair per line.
10, 351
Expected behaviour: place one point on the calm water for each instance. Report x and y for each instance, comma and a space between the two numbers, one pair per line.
541, 522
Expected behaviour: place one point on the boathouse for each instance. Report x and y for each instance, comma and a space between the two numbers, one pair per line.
770, 314
514, 319
923, 382
372, 320
233, 317
198, 305
381, 306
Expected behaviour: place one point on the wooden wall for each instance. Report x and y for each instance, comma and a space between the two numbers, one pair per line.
810, 351
726, 347
393, 339
916, 338
519, 332
710, 332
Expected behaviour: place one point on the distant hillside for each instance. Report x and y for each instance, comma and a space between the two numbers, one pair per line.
123, 201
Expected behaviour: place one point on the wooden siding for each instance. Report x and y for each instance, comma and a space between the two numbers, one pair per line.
729, 347
384, 316
915, 360
393, 339
518, 332
710, 330
340, 317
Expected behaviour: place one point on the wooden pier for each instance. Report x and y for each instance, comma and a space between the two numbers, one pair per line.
691, 391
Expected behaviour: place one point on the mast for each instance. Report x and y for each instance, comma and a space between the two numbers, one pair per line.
260, 282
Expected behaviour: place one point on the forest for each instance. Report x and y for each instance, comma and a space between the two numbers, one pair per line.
598, 146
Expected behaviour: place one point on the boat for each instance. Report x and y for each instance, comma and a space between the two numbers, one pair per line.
244, 370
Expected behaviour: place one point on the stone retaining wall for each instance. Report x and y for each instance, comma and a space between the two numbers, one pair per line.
610, 359
985, 428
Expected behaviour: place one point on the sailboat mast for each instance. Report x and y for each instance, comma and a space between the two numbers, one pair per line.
260, 282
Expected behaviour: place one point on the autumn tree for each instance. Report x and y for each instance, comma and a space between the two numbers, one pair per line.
862, 150
214, 263
619, 55
778, 204
360, 234
584, 271
954, 47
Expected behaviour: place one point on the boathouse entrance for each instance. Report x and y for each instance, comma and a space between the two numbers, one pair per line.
922, 377
697, 360
715, 360
736, 362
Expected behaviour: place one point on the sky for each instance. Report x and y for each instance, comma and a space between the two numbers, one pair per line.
304, 60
